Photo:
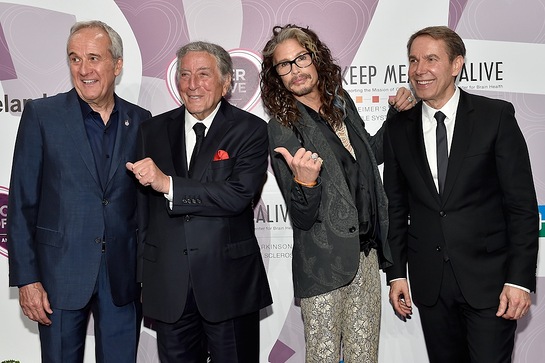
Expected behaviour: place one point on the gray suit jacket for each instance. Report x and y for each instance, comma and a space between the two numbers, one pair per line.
325, 218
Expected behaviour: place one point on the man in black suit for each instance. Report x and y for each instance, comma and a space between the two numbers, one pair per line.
472, 239
203, 277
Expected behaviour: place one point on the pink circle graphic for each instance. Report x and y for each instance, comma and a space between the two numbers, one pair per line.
245, 90
4, 192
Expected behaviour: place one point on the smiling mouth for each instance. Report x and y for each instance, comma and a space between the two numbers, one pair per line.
423, 83
89, 81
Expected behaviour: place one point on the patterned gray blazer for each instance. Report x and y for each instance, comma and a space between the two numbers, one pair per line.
324, 218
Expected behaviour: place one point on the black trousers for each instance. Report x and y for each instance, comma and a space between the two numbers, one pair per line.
457, 333
191, 338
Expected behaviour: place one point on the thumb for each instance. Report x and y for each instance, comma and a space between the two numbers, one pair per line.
285, 153
129, 165
502, 308
407, 297
47, 305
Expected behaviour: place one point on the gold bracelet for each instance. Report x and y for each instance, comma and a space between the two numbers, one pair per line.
308, 185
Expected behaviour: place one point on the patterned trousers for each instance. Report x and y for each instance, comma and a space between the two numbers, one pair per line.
348, 317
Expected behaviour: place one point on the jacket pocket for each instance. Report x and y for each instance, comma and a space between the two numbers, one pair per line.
243, 248
220, 164
150, 253
496, 242
48, 237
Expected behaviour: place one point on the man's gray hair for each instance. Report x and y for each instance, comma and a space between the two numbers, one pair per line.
116, 44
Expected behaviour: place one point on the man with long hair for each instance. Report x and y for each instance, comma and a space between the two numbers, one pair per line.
325, 163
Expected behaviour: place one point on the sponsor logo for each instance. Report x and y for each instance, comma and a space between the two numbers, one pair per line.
4, 221
372, 99
245, 90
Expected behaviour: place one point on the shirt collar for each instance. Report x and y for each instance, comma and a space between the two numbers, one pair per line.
191, 120
449, 109
86, 109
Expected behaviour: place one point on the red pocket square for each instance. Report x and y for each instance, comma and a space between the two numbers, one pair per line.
221, 155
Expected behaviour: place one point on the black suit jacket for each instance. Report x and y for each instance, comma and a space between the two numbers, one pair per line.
207, 238
486, 222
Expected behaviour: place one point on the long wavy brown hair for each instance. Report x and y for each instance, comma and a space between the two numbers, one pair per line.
279, 102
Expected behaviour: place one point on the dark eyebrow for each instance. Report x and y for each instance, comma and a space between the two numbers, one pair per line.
289, 60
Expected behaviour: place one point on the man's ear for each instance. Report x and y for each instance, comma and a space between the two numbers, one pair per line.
457, 65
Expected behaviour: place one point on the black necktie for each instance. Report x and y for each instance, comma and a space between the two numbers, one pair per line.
199, 128
442, 150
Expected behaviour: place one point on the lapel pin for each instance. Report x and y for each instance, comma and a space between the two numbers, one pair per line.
126, 122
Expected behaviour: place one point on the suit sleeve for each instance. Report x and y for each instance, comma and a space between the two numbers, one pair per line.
24, 197
303, 203
520, 204
398, 208
376, 141
232, 195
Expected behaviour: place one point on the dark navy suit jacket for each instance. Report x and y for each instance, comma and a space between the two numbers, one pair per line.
58, 210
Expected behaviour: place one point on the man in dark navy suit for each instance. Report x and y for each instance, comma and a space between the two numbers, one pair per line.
72, 207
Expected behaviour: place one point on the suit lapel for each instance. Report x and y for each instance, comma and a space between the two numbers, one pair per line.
461, 137
176, 138
73, 122
222, 122
415, 143
315, 141
124, 126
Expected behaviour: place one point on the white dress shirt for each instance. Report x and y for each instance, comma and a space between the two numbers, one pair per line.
191, 139
429, 125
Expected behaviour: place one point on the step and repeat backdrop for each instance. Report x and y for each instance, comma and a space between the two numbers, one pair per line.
506, 48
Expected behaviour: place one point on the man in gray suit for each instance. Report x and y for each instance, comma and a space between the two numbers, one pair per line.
325, 163
72, 207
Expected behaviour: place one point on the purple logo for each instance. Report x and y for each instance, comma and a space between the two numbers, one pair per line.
4, 221
245, 86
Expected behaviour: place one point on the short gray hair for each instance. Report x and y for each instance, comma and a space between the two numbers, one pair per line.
223, 59
116, 44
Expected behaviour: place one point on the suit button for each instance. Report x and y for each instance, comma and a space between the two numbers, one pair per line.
185, 252
438, 248
184, 201
442, 214
98, 240
187, 218
105, 202
352, 229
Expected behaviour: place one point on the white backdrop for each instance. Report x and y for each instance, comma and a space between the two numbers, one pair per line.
506, 47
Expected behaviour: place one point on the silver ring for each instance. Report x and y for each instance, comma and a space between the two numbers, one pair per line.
314, 156
410, 99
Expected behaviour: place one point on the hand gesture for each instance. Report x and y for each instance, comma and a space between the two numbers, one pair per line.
403, 100
149, 174
305, 165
